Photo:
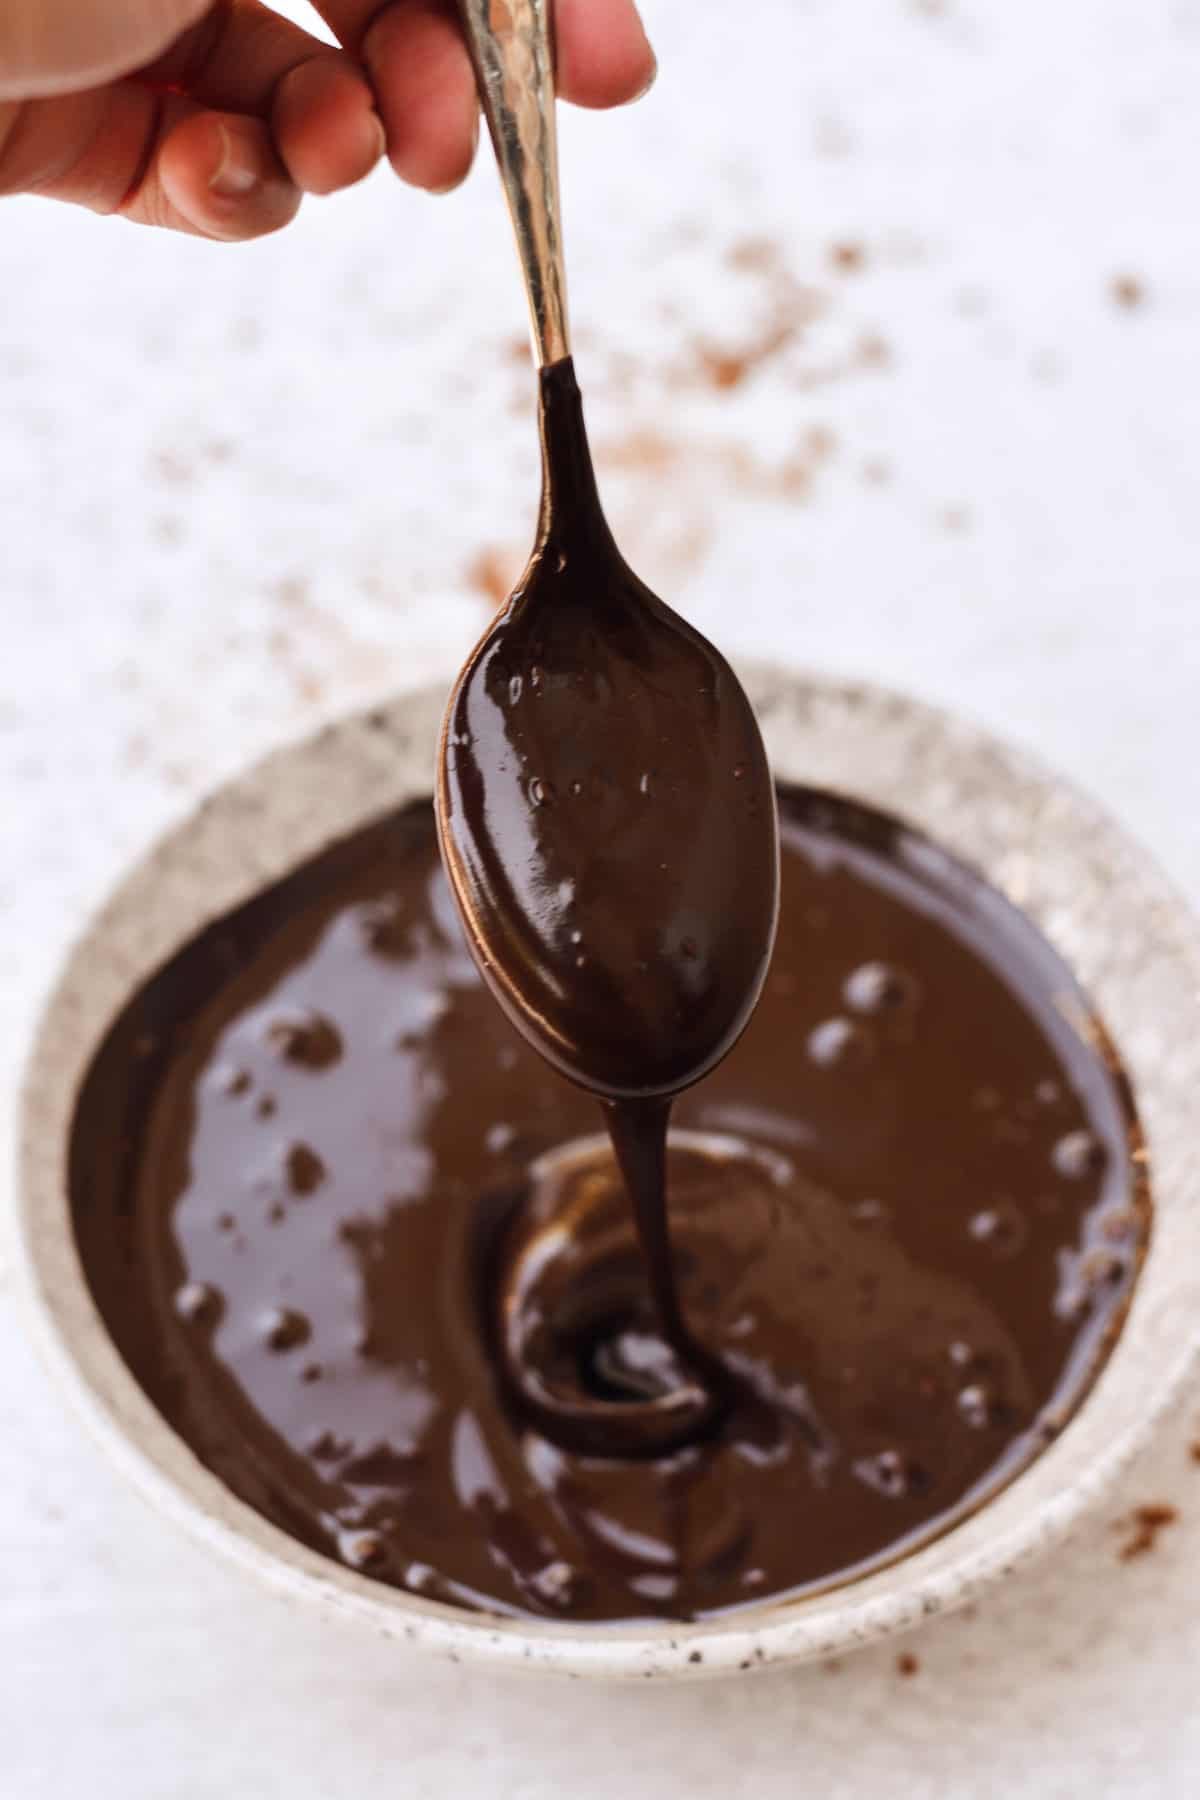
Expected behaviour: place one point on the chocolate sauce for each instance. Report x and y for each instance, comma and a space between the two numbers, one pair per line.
608, 823
606, 807
370, 1257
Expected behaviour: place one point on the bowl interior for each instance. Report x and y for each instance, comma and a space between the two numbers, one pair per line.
1132, 943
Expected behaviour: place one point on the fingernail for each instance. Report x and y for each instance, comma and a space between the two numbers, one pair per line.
448, 187
651, 78
237, 171
377, 135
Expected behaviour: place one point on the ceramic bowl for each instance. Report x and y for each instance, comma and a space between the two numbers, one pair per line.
1094, 894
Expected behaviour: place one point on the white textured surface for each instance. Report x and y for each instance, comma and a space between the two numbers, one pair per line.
239, 489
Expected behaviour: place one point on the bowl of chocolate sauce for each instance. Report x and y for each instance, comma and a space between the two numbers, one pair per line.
344, 1276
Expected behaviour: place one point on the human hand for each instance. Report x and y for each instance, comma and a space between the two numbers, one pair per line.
216, 116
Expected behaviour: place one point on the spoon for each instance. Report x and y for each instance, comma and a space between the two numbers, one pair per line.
605, 809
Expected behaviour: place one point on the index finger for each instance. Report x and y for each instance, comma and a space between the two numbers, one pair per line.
417, 60
603, 55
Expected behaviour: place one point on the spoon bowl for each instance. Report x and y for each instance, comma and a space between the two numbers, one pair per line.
597, 746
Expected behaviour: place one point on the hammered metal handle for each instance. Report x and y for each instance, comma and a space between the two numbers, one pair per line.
511, 44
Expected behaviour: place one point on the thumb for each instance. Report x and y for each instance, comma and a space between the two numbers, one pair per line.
54, 46
159, 160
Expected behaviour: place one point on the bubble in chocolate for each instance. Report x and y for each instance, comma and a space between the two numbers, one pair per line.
1077, 1155
1102, 1268
1002, 1227
361, 1549
306, 1039
976, 1406
198, 1303
892, 1473
557, 1585
304, 1169
870, 1211
839, 1043
877, 987
283, 1328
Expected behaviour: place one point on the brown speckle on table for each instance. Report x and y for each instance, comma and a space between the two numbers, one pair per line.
644, 450
1194, 1451
786, 308
172, 468
906, 1663
491, 574
753, 255
723, 369
1127, 290
1144, 1525
847, 259
874, 352
292, 590
649, 452
729, 368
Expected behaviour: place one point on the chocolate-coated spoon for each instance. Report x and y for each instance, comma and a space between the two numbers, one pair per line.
605, 809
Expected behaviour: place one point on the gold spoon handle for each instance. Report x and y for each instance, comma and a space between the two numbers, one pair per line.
511, 43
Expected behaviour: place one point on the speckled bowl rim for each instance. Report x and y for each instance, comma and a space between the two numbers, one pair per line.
1097, 896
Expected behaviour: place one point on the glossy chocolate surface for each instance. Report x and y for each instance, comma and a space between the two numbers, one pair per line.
606, 809
322, 1196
